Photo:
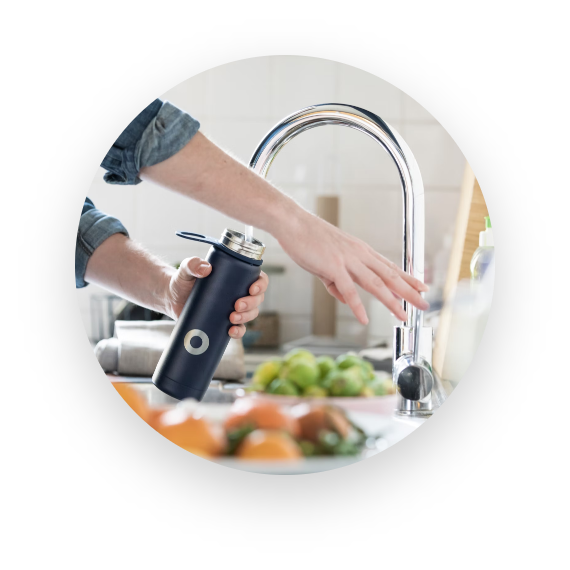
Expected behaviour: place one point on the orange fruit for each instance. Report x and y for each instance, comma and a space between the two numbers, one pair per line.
191, 432
133, 399
269, 444
199, 452
317, 417
261, 414
153, 415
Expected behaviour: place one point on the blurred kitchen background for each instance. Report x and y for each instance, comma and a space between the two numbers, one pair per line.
237, 104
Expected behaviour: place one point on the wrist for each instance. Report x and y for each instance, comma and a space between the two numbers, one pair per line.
161, 294
288, 219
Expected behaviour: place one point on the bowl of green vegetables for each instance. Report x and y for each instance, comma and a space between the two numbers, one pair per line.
348, 381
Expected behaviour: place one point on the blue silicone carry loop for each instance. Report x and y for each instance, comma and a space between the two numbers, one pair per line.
212, 241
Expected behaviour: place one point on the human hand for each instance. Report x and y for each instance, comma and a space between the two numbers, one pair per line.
340, 261
182, 282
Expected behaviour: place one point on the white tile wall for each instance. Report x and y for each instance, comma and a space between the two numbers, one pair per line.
191, 95
240, 90
237, 104
161, 213
363, 161
118, 201
299, 82
439, 158
357, 87
373, 214
412, 111
306, 159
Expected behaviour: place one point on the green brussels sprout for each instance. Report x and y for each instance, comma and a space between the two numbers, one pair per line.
266, 372
299, 354
344, 382
283, 387
315, 392
348, 361
367, 392
325, 364
368, 370
382, 386
303, 373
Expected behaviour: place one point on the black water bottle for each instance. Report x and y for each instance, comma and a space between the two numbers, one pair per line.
200, 336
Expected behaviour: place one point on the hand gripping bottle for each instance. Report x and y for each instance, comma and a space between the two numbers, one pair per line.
200, 335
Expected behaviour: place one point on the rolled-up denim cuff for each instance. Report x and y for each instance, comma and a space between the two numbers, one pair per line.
126, 173
165, 135
94, 228
119, 162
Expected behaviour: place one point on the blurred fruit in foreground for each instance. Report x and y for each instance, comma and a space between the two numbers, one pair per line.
283, 387
316, 418
266, 445
192, 432
260, 414
266, 372
133, 399
153, 415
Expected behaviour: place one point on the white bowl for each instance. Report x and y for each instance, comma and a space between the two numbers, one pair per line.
384, 405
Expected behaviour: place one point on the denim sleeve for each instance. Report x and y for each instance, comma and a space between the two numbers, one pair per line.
94, 228
157, 133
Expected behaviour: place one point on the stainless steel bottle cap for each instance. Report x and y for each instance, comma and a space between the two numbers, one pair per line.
236, 241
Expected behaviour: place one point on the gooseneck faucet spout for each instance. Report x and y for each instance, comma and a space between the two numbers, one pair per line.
405, 337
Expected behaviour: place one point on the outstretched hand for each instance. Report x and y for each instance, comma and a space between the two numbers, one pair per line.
182, 282
342, 261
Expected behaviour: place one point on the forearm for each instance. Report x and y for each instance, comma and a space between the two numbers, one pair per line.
204, 172
125, 268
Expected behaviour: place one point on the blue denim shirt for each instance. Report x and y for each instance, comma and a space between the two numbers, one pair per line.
157, 133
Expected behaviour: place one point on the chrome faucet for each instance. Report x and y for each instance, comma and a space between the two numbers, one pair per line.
419, 389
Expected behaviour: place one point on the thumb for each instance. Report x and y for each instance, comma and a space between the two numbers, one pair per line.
192, 268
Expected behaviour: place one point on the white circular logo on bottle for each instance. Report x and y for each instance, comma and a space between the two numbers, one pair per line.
201, 335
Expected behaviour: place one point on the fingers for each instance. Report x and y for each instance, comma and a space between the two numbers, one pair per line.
412, 281
248, 303
332, 289
372, 283
244, 317
392, 279
246, 308
260, 286
194, 267
237, 331
347, 290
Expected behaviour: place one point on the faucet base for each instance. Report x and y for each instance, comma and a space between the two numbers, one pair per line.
403, 344
409, 408
401, 413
